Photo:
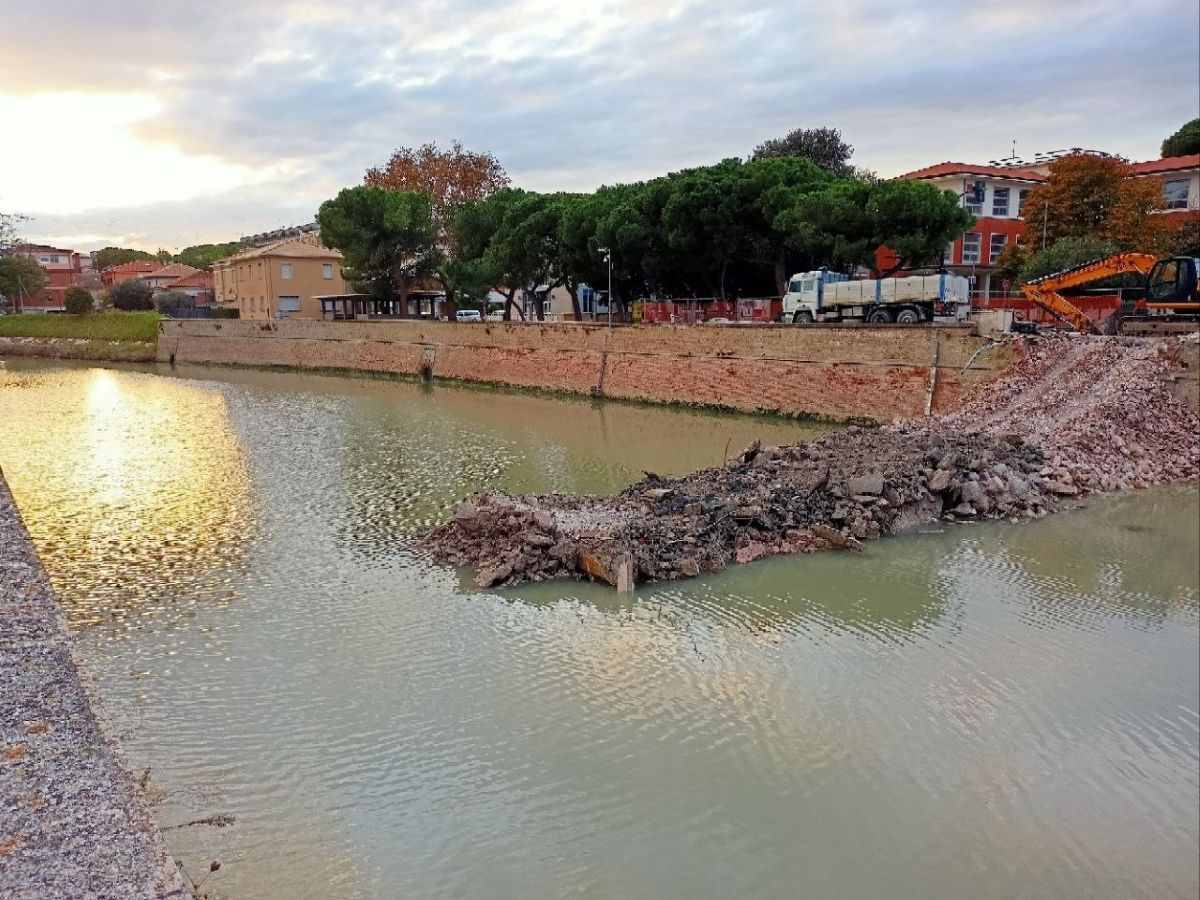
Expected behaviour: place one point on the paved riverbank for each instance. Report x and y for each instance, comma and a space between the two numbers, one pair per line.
73, 822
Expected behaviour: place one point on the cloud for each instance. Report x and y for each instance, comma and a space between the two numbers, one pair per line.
276, 103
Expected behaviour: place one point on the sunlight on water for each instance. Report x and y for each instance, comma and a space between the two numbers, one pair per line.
127, 478
990, 711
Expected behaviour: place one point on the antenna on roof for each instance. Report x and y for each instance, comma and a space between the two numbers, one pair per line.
1010, 162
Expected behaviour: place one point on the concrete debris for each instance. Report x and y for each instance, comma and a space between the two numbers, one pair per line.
1074, 415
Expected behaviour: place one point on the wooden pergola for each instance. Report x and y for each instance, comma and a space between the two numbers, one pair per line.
345, 307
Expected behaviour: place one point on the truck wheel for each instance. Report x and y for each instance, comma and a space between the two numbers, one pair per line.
802, 317
879, 317
908, 316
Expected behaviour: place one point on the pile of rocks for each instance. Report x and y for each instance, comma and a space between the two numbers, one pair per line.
1100, 408
1074, 415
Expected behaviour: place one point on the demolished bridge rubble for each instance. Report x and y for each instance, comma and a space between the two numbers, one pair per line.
1072, 416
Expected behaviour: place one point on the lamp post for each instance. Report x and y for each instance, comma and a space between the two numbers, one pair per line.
608, 259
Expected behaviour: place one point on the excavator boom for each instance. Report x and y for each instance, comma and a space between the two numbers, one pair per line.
1044, 291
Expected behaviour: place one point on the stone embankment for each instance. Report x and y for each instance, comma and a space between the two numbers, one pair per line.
1073, 415
839, 372
73, 822
78, 348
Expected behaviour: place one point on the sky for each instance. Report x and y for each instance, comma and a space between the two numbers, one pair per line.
166, 124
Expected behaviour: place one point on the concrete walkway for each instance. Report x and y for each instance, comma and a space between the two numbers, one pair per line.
73, 823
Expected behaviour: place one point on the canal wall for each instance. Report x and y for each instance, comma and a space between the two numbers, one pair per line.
78, 348
828, 371
73, 822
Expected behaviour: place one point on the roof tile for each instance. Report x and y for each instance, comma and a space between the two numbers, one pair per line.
1169, 164
958, 168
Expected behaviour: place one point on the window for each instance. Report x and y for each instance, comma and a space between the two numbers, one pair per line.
971, 246
327, 271
1175, 193
974, 207
996, 246
587, 299
285, 269
948, 258
1000, 201
1163, 279
1022, 196
795, 287
285, 306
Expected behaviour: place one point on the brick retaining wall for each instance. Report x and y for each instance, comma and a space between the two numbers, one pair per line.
838, 372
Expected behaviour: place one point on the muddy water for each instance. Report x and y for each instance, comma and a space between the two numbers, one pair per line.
991, 711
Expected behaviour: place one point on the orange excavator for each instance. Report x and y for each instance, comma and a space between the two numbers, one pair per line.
1171, 301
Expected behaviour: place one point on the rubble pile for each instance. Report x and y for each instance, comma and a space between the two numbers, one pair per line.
1074, 415
1099, 407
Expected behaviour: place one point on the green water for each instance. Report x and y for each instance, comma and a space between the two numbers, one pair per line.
989, 711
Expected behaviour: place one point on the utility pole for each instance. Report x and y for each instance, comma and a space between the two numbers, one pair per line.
1045, 214
608, 259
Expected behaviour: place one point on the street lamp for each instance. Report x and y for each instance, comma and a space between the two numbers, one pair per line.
608, 259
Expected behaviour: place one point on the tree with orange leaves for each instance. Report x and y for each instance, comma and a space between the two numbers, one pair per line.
1133, 224
1086, 195
450, 178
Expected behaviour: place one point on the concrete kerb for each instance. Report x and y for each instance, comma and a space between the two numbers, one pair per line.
73, 821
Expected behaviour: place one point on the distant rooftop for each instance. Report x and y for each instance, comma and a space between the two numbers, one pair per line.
173, 270
1168, 164
136, 267
291, 231
300, 248
41, 248
1041, 159
196, 279
960, 168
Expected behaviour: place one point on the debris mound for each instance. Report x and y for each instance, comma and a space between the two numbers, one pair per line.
1074, 415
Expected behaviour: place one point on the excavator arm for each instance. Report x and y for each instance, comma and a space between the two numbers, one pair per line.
1044, 291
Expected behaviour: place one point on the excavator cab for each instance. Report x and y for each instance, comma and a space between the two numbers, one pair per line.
1172, 281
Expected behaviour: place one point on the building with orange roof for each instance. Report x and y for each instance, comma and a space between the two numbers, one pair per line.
137, 268
197, 284
63, 268
995, 194
1180, 179
163, 276
278, 281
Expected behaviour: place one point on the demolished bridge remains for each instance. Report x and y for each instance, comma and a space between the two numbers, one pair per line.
1074, 415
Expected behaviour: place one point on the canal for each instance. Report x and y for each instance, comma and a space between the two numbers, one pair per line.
990, 711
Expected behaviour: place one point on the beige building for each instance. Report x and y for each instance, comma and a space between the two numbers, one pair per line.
278, 281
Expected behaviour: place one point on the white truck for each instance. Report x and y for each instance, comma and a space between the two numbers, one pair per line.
824, 296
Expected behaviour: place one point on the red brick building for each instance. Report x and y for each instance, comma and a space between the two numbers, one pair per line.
996, 194
63, 268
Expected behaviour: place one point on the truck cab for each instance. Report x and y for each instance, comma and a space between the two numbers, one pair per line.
805, 291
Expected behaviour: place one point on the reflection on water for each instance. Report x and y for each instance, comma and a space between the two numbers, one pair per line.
992, 711
126, 479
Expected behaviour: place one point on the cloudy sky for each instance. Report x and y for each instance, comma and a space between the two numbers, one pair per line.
170, 123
